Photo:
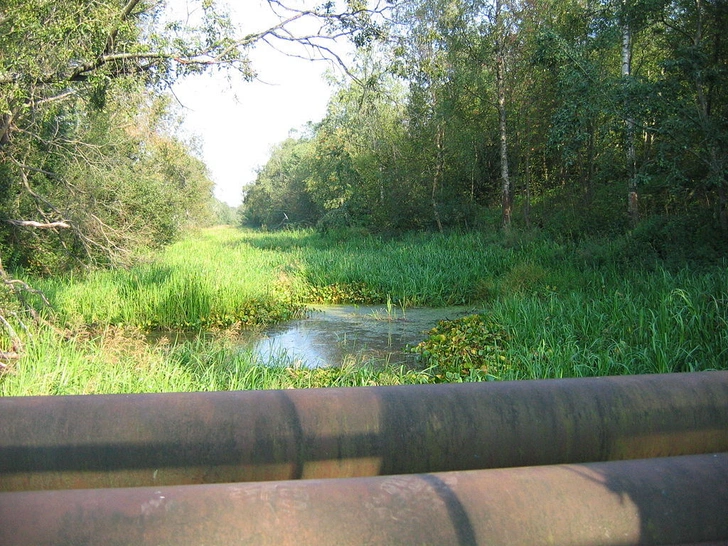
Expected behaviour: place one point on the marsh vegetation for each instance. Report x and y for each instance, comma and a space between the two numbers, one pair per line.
540, 309
559, 169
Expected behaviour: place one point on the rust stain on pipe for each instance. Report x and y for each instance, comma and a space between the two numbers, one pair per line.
197, 438
655, 501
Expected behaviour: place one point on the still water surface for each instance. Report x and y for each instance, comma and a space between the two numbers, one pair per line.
333, 334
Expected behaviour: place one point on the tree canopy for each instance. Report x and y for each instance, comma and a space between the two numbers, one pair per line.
90, 162
582, 117
587, 116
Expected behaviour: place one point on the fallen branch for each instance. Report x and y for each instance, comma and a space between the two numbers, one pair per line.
41, 225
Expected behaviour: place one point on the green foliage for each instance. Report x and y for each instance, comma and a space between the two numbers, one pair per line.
279, 197
543, 309
415, 143
87, 143
460, 346
335, 219
123, 182
677, 240
222, 213
355, 292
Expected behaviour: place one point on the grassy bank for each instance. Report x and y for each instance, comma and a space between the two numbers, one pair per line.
121, 361
558, 309
210, 280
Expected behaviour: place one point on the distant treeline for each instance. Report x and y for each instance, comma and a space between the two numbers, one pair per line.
581, 117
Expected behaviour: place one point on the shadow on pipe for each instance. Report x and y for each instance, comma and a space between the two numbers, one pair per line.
197, 438
670, 500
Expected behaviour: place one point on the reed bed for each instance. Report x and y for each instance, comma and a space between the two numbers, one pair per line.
678, 322
566, 310
122, 361
211, 280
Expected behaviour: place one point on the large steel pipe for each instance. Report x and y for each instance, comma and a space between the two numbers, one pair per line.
655, 501
166, 439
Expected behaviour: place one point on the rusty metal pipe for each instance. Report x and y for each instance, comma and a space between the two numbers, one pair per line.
166, 439
654, 501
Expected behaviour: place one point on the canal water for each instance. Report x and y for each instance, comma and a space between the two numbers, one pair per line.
333, 334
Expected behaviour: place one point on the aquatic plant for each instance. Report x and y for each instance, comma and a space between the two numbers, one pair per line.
459, 346
547, 310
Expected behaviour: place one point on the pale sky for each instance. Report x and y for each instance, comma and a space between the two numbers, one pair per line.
239, 125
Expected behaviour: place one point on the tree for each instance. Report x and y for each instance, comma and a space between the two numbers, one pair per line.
423, 44
501, 39
61, 61
280, 195
693, 128
626, 57
79, 184
571, 102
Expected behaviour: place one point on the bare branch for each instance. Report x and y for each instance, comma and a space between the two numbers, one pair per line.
17, 349
39, 225
17, 286
60, 96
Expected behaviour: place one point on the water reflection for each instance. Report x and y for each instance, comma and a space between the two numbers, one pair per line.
333, 334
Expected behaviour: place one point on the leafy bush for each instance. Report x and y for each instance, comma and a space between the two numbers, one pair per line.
677, 240
335, 219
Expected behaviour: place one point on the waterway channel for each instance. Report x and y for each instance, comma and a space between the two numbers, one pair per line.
333, 334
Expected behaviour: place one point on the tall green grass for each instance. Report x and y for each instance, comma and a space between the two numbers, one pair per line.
567, 310
225, 276
637, 322
121, 361
417, 270
214, 279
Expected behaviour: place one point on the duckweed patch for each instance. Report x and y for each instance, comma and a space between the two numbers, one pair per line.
462, 346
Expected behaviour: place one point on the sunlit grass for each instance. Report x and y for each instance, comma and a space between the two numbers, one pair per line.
121, 361
675, 323
567, 310
214, 279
